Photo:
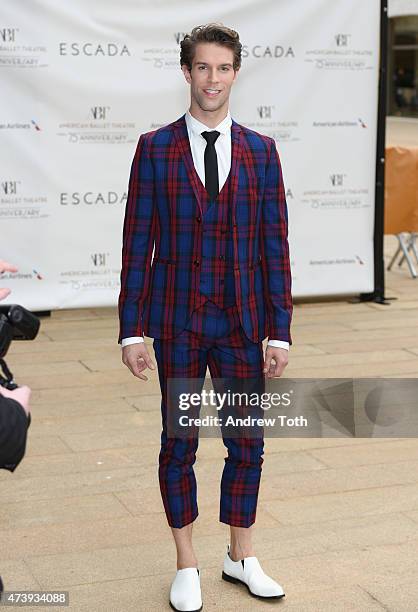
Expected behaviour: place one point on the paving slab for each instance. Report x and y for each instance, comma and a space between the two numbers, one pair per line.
337, 520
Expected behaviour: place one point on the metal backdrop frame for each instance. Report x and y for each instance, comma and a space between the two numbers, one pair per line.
378, 294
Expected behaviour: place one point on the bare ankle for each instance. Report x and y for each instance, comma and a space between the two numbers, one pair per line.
183, 540
240, 552
183, 563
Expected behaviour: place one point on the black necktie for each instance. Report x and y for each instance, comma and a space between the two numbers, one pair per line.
211, 164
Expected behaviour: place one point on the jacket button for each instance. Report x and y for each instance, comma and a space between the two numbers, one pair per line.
221, 257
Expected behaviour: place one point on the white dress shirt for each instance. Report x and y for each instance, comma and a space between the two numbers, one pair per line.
223, 152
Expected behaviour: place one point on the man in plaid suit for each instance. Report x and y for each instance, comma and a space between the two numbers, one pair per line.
206, 199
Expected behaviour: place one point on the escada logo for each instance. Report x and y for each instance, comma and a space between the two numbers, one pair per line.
179, 36
265, 112
9, 187
93, 49
342, 40
260, 51
90, 198
8, 34
99, 112
99, 259
337, 180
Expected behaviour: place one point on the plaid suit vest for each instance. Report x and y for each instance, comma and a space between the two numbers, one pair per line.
217, 257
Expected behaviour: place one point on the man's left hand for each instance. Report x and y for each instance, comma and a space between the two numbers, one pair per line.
276, 360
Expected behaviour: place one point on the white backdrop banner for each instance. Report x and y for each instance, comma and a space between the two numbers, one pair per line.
81, 80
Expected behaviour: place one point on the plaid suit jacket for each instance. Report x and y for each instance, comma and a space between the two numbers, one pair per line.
162, 236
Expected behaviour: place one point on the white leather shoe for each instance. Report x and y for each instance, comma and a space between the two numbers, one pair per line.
248, 571
185, 594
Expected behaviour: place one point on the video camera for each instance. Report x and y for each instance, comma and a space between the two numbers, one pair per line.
16, 323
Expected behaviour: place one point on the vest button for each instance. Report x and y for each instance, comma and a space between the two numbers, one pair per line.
196, 262
198, 219
222, 257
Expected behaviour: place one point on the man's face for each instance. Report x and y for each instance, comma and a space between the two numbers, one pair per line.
211, 77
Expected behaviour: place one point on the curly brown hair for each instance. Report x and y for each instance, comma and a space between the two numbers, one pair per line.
210, 33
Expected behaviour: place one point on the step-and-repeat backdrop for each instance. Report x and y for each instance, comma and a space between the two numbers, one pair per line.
82, 79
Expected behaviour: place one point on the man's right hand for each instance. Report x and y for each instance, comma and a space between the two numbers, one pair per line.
137, 359
20, 395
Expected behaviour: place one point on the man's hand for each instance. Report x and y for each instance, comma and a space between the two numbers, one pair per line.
20, 395
137, 359
5, 266
280, 358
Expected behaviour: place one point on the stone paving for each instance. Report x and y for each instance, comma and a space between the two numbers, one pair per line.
337, 523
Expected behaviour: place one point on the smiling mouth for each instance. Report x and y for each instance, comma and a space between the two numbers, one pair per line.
212, 93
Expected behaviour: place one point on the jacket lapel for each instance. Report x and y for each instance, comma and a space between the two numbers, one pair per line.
236, 151
182, 140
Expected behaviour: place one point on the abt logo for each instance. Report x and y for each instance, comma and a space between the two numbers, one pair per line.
179, 36
8, 34
337, 180
99, 112
265, 112
9, 187
99, 259
342, 40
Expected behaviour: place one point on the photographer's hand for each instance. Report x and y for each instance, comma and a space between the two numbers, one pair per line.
5, 266
20, 395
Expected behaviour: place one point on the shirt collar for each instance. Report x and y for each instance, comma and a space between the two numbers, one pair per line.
197, 127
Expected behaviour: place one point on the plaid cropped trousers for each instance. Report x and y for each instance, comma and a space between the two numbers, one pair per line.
213, 337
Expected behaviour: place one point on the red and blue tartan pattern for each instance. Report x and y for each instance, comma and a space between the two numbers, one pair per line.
164, 210
217, 279
213, 337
